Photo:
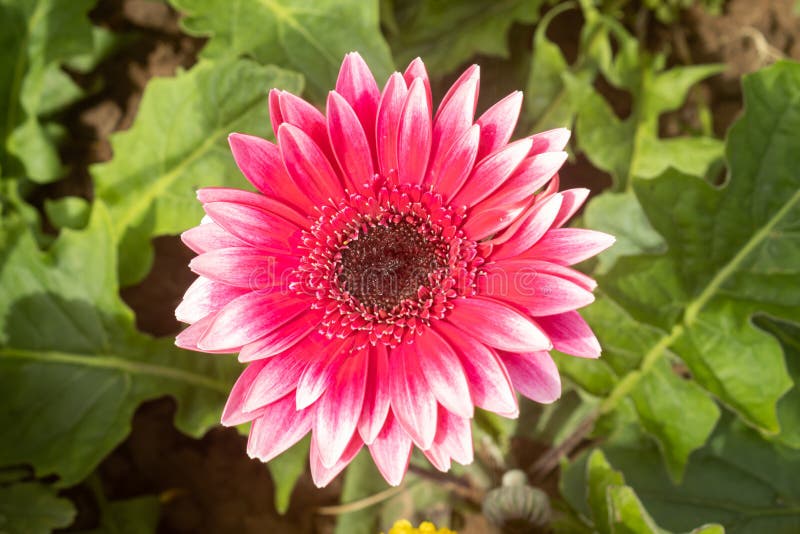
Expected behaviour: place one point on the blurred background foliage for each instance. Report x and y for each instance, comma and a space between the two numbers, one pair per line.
685, 117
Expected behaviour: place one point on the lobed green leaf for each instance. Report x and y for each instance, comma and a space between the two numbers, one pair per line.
73, 368
177, 145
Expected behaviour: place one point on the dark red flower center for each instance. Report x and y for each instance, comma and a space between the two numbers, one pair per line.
386, 264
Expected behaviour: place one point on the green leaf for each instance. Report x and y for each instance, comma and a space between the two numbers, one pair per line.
309, 36
555, 90
139, 515
661, 398
628, 516
738, 480
68, 212
621, 215
600, 476
446, 33
614, 506
362, 479
721, 268
33, 508
631, 147
286, 469
31, 82
177, 145
560, 94
789, 406
73, 368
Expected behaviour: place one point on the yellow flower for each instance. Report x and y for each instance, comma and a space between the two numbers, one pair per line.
403, 526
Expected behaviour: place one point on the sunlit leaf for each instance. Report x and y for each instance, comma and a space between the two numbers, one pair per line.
446, 33
177, 145
33, 508
31, 82
73, 368
286, 469
738, 480
310, 36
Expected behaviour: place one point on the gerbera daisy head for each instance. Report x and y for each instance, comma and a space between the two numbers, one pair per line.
394, 270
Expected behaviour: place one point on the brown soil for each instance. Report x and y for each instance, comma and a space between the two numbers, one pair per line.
209, 485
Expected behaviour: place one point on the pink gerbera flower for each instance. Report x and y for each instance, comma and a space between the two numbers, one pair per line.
392, 272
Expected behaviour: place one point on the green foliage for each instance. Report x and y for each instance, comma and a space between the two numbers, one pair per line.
696, 301
73, 368
32, 84
33, 508
611, 506
310, 36
286, 469
669, 10
129, 516
563, 95
177, 145
68, 212
696, 399
446, 33
738, 480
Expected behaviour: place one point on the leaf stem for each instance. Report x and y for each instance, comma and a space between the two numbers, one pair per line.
366, 502
116, 363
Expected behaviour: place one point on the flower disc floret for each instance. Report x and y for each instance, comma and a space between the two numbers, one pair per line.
387, 263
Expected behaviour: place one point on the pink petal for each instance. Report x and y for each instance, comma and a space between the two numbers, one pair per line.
339, 409
260, 162
321, 475
530, 176
534, 374
245, 267
416, 69
491, 172
573, 200
567, 246
234, 414
498, 123
550, 141
277, 378
321, 369
453, 440
190, 336
299, 113
489, 384
203, 297
391, 451
283, 338
570, 334
536, 292
443, 372
504, 271
238, 196
275, 115
209, 236
376, 398
497, 324
389, 111
349, 143
455, 113
358, 87
412, 400
277, 428
249, 318
308, 166
483, 223
532, 226
449, 173
414, 136
254, 226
